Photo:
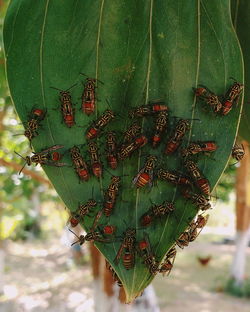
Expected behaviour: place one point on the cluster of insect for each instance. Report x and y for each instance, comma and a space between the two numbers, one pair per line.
193, 184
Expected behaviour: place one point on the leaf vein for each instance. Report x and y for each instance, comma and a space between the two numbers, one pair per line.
216, 36
43, 92
13, 28
146, 100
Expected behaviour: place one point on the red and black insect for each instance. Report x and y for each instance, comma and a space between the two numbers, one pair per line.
56, 156
36, 115
187, 236
126, 150
140, 111
176, 139
94, 236
98, 125
232, 96
192, 232
114, 275
128, 249
67, 107
156, 211
238, 152
201, 221
111, 195
157, 107
183, 240
81, 167
89, 96
73, 221
173, 177
141, 141
85, 209
209, 97
111, 150
196, 227
113, 188
168, 262
131, 133
96, 163
160, 126
47, 157
145, 175
201, 202
200, 91
199, 147
31, 126
146, 219
144, 250
30, 134
150, 109
201, 182
109, 229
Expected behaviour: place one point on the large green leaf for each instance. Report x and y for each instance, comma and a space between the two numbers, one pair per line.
241, 21
141, 50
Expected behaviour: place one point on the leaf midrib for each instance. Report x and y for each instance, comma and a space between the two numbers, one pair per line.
146, 101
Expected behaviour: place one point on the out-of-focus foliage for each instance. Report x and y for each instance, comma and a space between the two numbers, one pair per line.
238, 290
226, 183
17, 215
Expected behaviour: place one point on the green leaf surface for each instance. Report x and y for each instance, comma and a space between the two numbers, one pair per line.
141, 51
241, 21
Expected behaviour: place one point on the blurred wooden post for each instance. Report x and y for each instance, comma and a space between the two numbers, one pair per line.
242, 216
2, 254
96, 266
108, 297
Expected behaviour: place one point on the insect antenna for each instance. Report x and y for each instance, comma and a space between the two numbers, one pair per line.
17, 134
203, 86
24, 163
22, 168
108, 172
152, 203
100, 81
73, 233
83, 74
76, 236
92, 78
56, 89
75, 242
97, 217
107, 101
124, 221
20, 155
72, 86
64, 90
232, 78
157, 101
177, 117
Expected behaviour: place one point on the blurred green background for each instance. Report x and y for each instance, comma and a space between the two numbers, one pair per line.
29, 206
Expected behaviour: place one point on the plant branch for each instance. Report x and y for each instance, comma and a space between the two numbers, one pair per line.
28, 172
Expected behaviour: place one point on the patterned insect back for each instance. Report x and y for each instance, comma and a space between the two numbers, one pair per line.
128, 249
238, 152
89, 95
